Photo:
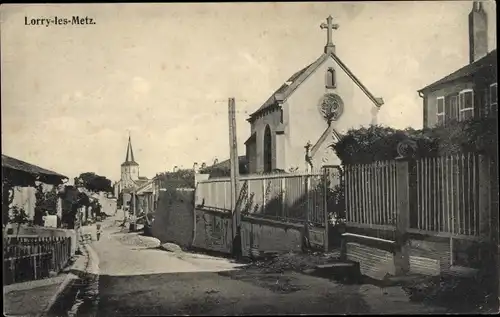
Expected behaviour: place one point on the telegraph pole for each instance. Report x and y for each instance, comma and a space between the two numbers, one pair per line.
233, 149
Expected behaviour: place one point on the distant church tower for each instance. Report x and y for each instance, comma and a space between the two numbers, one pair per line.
129, 168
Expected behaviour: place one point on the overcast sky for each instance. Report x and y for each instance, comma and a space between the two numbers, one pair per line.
70, 94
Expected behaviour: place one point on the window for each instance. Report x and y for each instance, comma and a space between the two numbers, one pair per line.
466, 101
453, 113
268, 156
330, 78
440, 110
493, 98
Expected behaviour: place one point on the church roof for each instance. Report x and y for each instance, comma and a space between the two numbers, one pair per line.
129, 159
488, 61
283, 92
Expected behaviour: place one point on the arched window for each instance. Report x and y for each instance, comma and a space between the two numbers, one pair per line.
268, 157
330, 78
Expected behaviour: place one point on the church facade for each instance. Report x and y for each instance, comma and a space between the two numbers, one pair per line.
294, 128
130, 178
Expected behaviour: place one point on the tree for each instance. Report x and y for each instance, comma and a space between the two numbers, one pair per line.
73, 201
18, 216
95, 183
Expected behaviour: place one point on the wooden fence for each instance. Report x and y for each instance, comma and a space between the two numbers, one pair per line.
286, 197
27, 259
447, 195
443, 194
371, 193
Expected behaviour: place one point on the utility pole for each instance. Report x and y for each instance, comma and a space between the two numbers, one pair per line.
233, 149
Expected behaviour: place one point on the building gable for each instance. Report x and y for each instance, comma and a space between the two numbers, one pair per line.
306, 102
296, 80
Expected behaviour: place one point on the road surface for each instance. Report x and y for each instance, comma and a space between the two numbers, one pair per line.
135, 280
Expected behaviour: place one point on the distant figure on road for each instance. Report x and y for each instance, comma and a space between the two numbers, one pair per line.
99, 231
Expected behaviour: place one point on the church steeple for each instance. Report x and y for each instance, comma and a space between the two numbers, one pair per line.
129, 158
130, 152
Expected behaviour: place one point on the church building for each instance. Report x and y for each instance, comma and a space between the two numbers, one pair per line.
294, 128
130, 178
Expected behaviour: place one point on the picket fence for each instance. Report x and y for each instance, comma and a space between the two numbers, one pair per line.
371, 193
33, 258
285, 197
443, 194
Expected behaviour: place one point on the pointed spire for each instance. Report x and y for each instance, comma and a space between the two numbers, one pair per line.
130, 152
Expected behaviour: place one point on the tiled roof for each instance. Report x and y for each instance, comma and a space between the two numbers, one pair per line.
226, 164
283, 90
489, 61
299, 77
11, 163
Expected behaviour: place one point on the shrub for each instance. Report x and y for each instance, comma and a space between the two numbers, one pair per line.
378, 143
180, 178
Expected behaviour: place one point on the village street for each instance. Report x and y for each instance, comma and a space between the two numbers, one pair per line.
136, 278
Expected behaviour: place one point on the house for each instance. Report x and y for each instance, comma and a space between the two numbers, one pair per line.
130, 179
293, 128
470, 91
19, 179
146, 196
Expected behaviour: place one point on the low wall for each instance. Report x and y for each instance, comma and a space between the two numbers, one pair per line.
270, 235
213, 231
429, 257
376, 257
426, 254
317, 237
432, 255
174, 219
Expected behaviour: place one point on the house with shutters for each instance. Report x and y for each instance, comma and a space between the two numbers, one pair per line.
470, 91
294, 128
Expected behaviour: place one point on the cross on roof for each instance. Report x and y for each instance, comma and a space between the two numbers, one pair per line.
329, 26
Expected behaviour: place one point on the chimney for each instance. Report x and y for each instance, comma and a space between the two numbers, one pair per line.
478, 35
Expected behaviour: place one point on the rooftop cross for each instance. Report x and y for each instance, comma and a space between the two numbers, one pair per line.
329, 26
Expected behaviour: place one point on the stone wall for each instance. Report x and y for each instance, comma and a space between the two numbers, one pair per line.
267, 235
213, 231
174, 218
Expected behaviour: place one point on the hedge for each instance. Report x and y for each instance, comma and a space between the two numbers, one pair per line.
378, 143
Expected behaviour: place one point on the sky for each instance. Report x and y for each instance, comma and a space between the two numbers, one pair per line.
70, 95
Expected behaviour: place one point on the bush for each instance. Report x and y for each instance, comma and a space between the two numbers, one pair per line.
377, 143
180, 178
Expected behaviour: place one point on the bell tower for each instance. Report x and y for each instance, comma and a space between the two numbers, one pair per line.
129, 168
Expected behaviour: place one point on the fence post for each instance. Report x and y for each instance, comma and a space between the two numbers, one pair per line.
404, 186
283, 199
263, 194
308, 198
325, 209
488, 225
484, 197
